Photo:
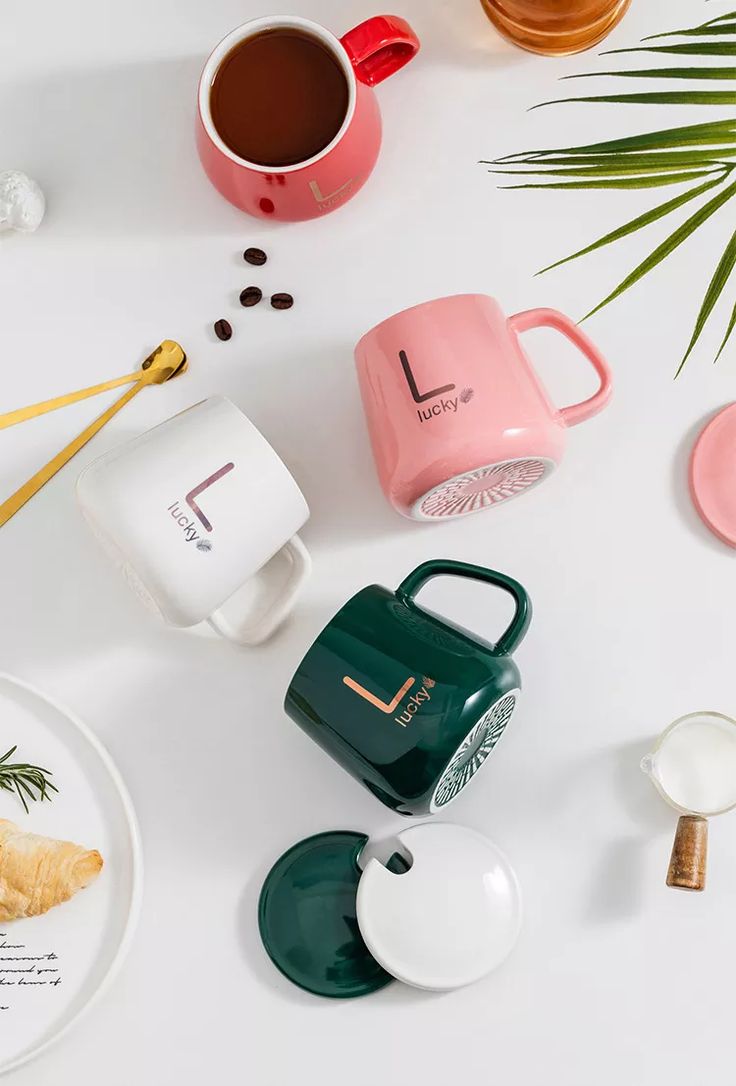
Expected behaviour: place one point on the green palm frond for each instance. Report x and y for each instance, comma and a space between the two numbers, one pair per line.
662, 73
715, 289
668, 246
729, 330
656, 98
700, 157
616, 182
713, 26
638, 223
710, 30
692, 135
683, 49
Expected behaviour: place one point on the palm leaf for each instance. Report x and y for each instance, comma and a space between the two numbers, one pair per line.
656, 98
706, 30
701, 153
625, 163
713, 293
685, 136
711, 27
668, 246
638, 223
662, 73
610, 170
729, 330
682, 49
649, 182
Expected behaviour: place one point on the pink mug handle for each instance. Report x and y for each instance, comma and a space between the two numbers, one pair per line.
379, 47
552, 318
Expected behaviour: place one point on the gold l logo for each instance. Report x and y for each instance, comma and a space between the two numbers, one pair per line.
317, 191
385, 708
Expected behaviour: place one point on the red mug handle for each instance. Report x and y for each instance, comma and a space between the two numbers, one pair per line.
379, 47
552, 318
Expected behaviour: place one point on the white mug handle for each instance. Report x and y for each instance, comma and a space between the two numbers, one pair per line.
255, 629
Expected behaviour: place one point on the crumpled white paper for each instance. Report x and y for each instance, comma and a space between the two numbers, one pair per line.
22, 204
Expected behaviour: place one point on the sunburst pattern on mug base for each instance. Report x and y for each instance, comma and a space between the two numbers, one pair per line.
482, 488
473, 751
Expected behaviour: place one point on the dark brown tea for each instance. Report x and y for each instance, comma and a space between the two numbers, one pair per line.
279, 98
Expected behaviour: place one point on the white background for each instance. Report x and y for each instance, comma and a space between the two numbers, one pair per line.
615, 979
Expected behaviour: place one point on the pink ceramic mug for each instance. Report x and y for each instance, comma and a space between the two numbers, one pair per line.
368, 54
458, 419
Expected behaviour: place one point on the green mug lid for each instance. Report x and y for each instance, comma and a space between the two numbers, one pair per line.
439, 922
307, 915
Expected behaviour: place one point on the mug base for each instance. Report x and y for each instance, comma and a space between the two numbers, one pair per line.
474, 491
473, 751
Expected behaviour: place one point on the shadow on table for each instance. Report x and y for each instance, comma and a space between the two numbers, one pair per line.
249, 940
617, 885
637, 794
113, 148
623, 869
450, 33
61, 595
317, 425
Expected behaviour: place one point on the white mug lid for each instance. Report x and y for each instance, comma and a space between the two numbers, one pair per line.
451, 918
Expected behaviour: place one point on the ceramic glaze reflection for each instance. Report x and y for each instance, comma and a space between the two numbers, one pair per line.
695, 766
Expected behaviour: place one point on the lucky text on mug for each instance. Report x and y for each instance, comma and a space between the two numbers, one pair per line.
414, 702
183, 520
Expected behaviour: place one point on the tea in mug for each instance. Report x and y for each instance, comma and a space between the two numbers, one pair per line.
279, 98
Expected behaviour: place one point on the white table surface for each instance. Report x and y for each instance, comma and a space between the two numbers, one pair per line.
615, 979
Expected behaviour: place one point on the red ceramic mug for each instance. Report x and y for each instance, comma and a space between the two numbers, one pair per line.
368, 54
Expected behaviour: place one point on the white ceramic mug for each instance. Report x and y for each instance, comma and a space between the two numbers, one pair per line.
195, 508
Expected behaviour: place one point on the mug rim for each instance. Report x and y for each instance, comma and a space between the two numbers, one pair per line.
416, 309
242, 33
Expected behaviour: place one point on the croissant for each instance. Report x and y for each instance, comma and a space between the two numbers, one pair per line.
37, 873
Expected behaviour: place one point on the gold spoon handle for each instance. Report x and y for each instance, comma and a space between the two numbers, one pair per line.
16, 501
22, 414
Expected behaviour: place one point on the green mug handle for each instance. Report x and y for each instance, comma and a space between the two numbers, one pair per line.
447, 567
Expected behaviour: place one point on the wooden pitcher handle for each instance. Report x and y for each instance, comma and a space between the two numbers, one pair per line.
689, 854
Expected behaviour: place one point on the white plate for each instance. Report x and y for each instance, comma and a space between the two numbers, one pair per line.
89, 935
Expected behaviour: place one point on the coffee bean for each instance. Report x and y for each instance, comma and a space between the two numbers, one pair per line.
223, 329
250, 296
255, 256
282, 301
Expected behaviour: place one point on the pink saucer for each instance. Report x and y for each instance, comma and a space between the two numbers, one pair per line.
713, 475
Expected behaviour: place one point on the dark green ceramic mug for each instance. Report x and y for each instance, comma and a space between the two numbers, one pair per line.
408, 703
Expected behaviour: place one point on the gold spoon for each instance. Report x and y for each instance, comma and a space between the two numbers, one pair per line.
23, 414
167, 361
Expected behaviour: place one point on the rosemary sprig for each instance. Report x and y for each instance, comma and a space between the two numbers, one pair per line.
25, 780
